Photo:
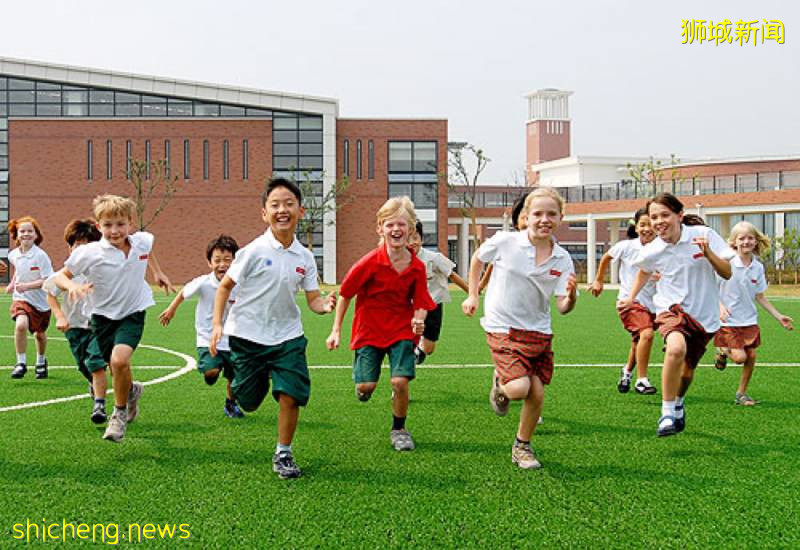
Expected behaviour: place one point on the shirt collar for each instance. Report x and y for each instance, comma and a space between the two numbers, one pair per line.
525, 243
383, 257
277, 245
31, 251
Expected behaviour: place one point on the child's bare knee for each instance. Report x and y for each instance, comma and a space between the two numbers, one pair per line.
366, 387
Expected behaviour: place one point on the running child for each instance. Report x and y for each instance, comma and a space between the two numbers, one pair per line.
29, 308
219, 254
639, 318
439, 270
115, 268
73, 319
392, 300
264, 330
688, 256
740, 335
519, 222
529, 269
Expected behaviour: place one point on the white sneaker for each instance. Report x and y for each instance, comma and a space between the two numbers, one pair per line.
116, 426
133, 400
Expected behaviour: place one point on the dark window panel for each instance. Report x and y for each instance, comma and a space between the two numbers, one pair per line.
101, 109
48, 86
128, 158
284, 149
284, 136
225, 160
399, 156
245, 159
310, 123
186, 171
258, 112
153, 99
179, 109
310, 163
371, 160
3, 96
151, 109
284, 123
109, 163
425, 156
310, 136
206, 154
20, 84
128, 109
358, 160
312, 149
3, 109
346, 158
48, 96
75, 96
125, 97
21, 96
206, 109
89, 160
3, 83
3, 163
3, 149
284, 163
231, 110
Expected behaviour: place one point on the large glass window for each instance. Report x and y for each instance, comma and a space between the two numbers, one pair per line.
109, 164
89, 159
225, 160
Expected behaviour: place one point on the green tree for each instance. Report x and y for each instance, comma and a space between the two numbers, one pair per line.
317, 206
463, 176
789, 256
650, 176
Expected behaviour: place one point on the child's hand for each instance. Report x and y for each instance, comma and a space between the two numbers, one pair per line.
470, 305
330, 303
166, 316
61, 323
702, 242
596, 288
625, 303
786, 321
418, 326
20, 287
216, 335
163, 281
572, 286
655, 277
79, 292
332, 342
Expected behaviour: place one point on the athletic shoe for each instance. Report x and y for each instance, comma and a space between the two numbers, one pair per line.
523, 456
720, 360
99, 413
232, 410
284, 465
363, 397
19, 371
116, 426
624, 384
419, 355
133, 401
498, 400
744, 399
680, 423
667, 425
644, 387
402, 440
41, 370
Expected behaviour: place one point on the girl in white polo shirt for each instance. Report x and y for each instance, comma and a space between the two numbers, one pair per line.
529, 268
740, 336
29, 308
688, 256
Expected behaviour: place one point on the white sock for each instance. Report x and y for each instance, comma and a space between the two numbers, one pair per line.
626, 373
40, 359
283, 448
668, 408
644, 380
22, 358
679, 407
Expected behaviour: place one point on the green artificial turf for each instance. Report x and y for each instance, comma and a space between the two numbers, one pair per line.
730, 480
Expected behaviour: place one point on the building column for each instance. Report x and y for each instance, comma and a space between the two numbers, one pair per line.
329, 182
463, 248
725, 225
591, 247
780, 227
613, 238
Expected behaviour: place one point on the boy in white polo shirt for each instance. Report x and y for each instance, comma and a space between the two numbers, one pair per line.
115, 267
529, 269
263, 326
219, 254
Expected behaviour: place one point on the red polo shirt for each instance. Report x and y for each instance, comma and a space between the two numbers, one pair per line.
385, 299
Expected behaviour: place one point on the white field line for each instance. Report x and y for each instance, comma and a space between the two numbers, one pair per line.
190, 365
557, 365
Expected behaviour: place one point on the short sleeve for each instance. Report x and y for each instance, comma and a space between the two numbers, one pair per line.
443, 264
568, 268
357, 276
143, 240
47, 265
422, 298
618, 250
50, 286
718, 245
490, 250
191, 288
310, 280
82, 259
761, 285
240, 268
644, 260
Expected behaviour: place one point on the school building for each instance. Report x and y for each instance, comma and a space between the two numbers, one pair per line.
602, 195
70, 133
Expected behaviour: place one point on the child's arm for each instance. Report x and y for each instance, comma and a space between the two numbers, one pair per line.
167, 315
565, 304
159, 277
641, 279
461, 283
596, 288
332, 342
485, 278
321, 304
418, 321
722, 267
470, 305
220, 299
31, 285
784, 320
76, 292
61, 321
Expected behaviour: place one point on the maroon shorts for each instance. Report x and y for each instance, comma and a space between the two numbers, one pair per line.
38, 321
636, 318
677, 320
522, 353
738, 337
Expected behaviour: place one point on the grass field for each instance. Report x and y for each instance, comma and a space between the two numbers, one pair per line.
730, 480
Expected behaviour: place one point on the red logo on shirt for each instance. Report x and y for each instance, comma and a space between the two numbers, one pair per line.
754, 281
144, 256
697, 256
555, 273
34, 268
300, 270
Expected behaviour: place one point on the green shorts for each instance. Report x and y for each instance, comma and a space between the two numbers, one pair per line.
255, 364
109, 333
205, 362
79, 339
402, 363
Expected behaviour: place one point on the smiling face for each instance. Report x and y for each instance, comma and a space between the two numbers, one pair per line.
544, 216
745, 243
394, 231
282, 211
415, 242
645, 229
220, 262
115, 229
666, 223
26, 234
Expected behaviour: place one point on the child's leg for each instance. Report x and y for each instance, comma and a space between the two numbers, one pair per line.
687, 375
121, 379
229, 392
21, 335
747, 370
288, 415
401, 396
643, 348
428, 346
517, 389
41, 343
531, 408
211, 376
631, 362
738, 356
99, 383
674, 359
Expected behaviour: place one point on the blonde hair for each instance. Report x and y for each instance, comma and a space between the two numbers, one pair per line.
109, 206
762, 241
544, 192
397, 207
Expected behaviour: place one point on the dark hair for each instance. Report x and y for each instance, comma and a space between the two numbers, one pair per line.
418, 227
516, 210
670, 201
225, 243
632, 234
81, 230
693, 219
274, 183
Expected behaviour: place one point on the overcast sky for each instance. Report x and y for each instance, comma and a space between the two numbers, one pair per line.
638, 90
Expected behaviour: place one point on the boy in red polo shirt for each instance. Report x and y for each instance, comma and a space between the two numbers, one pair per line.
392, 302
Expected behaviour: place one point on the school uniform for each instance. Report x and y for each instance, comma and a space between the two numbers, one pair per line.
738, 294
641, 314
517, 305
264, 327
28, 267
385, 305
438, 269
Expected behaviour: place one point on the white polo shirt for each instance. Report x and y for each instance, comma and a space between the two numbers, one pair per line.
205, 286
738, 293
77, 312
120, 287
438, 268
519, 291
28, 267
626, 252
269, 276
687, 277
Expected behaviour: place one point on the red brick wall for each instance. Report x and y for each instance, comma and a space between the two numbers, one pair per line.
542, 146
355, 229
48, 179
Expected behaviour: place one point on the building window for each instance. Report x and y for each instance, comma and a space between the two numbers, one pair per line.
89, 173
109, 163
167, 159
147, 158
245, 159
358, 159
205, 159
371, 160
128, 158
225, 151
346, 158
186, 159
